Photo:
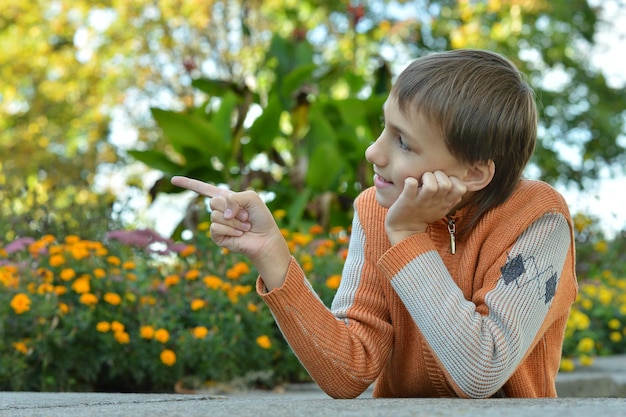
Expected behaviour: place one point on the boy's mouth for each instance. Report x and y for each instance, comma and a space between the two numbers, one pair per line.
381, 181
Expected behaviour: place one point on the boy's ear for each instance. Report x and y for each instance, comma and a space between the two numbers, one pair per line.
479, 175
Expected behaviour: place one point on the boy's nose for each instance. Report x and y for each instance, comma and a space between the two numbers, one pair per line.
372, 153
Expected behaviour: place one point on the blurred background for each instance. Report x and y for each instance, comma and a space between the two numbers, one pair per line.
102, 102
80, 143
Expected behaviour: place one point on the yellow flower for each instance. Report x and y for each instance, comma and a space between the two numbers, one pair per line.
122, 337
200, 332
128, 265
605, 296
146, 332
204, 226
333, 281
586, 344
615, 337
601, 246
168, 357
264, 342
88, 299
116, 326
280, 214
81, 286
67, 274
112, 298
103, 326
253, 308
21, 347
162, 336
614, 324
586, 360
60, 290
567, 365
197, 304
20, 303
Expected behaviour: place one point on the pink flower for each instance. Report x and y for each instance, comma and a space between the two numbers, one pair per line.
19, 244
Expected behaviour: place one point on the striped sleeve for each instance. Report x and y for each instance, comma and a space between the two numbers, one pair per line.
480, 352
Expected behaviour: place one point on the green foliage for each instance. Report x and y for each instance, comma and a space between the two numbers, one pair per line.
597, 322
299, 143
137, 312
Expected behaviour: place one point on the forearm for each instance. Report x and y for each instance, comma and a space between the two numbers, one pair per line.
273, 262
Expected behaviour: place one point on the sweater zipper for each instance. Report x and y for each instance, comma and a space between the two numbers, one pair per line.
452, 231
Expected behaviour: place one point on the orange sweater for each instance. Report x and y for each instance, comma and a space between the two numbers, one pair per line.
423, 322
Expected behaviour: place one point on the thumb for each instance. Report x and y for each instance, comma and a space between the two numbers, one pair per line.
234, 207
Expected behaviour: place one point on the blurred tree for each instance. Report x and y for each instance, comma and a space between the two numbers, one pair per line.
67, 66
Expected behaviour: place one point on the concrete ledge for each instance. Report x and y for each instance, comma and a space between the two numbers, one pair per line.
144, 405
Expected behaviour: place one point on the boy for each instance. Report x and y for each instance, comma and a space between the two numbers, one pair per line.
460, 274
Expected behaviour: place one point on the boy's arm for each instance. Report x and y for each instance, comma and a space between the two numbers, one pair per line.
480, 343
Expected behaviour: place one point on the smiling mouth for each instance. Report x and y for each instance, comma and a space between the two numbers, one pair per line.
381, 179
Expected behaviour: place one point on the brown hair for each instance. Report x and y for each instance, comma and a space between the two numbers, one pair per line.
485, 110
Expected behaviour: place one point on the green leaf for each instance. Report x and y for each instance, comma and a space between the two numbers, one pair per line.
325, 166
222, 118
191, 132
267, 126
296, 78
156, 160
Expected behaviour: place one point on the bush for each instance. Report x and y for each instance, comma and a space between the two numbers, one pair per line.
140, 313
597, 323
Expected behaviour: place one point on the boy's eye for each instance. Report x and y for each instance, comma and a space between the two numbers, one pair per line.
403, 144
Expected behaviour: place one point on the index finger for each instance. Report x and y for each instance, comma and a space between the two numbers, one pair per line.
202, 188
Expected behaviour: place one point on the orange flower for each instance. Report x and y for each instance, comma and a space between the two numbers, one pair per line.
168, 357
112, 298
114, 260
192, 274
264, 342
333, 281
316, 229
116, 326
200, 332
122, 338
253, 308
146, 332
64, 308
237, 270
81, 286
103, 326
67, 274
187, 251
99, 273
56, 260
162, 336
171, 280
213, 282
197, 304
21, 347
20, 303
88, 299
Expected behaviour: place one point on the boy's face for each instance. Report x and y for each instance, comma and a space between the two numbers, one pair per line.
407, 147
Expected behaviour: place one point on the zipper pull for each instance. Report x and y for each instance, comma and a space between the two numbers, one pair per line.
452, 231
